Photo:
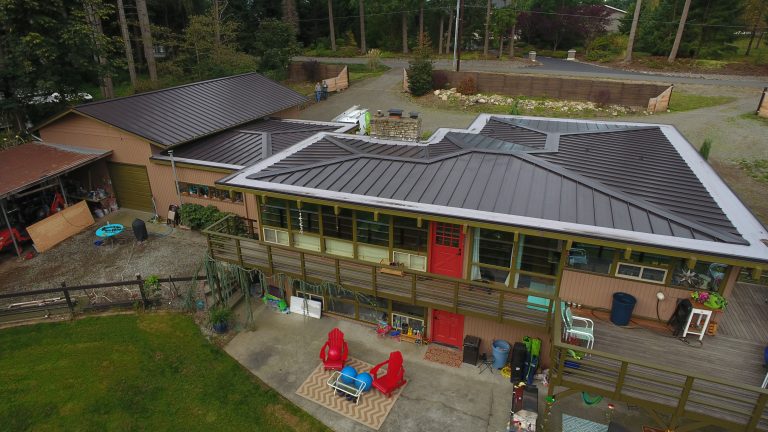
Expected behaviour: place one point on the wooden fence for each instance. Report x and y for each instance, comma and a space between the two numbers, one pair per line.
66, 301
336, 76
762, 106
591, 90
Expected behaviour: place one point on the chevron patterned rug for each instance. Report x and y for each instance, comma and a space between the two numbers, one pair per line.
372, 409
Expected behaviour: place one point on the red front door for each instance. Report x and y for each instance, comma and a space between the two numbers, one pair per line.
447, 328
447, 249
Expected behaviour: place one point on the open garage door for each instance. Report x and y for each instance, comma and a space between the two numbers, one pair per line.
131, 186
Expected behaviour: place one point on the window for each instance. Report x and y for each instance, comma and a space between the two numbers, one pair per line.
208, 192
339, 247
371, 231
305, 219
275, 236
404, 322
338, 226
536, 283
308, 242
372, 253
597, 259
539, 255
641, 272
407, 235
274, 213
650, 259
492, 255
704, 275
411, 261
447, 234
407, 309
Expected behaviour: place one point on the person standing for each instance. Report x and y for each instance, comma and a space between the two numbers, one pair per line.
318, 91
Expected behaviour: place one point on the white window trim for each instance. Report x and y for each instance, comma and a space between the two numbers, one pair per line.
409, 318
277, 237
642, 268
410, 258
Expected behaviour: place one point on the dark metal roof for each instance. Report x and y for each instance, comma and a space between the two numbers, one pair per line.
506, 131
506, 183
29, 164
251, 142
176, 115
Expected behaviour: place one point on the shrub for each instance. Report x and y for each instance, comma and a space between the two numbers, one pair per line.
467, 86
199, 217
374, 59
706, 147
219, 315
420, 70
439, 80
515, 108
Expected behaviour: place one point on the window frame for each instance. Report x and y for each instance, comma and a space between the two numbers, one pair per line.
642, 268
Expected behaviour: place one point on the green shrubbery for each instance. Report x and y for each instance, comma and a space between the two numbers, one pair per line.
420, 70
607, 47
200, 217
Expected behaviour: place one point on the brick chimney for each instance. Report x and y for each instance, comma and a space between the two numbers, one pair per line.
396, 127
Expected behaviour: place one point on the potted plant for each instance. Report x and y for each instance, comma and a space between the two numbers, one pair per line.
219, 317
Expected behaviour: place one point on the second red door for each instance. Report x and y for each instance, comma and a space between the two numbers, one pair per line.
447, 328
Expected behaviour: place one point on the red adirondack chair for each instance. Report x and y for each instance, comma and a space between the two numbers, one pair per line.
394, 378
335, 352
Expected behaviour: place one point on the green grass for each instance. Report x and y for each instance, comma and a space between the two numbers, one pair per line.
359, 72
754, 117
152, 372
687, 101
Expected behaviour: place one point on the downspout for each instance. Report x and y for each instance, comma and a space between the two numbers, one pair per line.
10, 229
175, 177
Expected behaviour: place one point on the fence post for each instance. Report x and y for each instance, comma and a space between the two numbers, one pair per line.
69, 300
140, 283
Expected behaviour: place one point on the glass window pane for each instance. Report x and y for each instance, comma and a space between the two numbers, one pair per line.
414, 310
337, 226
408, 236
494, 247
652, 274
308, 242
305, 219
592, 258
490, 275
650, 259
341, 308
371, 315
628, 270
539, 255
274, 213
372, 253
370, 231
338, 247
704, 275
535, 283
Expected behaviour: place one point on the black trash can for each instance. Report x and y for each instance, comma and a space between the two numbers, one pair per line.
621, 308
139, 230
517, 362
471, 349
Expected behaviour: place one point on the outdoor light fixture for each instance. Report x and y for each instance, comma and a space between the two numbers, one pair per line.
660, 296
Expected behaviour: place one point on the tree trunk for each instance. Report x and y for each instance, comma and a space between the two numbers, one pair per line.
633, 32
216, 26
107, 89
291, 14
330, 23
460, 26
679, 35
146, 37
450, 30
362, 27
757, 45
512, 41
127, 42
501, 44
421, 22
751, 39
404, 17
701, 31
440, 37
487, 24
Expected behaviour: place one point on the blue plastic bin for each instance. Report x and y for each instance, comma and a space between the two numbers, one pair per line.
622, 307
500, 353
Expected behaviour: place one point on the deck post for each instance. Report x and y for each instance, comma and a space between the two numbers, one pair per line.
303, 266
69, 300
140, 284
456, 297
239, 253
271, 263
413, 288
501, 305
338, 270
373, 280
757, 412
681, 403
620, 380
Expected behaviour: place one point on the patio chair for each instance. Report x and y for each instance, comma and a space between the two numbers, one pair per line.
394, 378
334, 352
583, 332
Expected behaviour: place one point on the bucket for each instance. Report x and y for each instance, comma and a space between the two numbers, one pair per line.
622, 307
500, 353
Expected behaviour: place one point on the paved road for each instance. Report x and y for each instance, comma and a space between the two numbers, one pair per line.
553, 66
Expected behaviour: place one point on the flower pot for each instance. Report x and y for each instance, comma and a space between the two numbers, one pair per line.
220, 327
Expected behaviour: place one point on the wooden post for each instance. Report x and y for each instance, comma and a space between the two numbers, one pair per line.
271, 263
69, 300
338, 270
620, 380
501, 306
413, 288
140, 283
373, 280
303, 266
681, 403
757, 413
456, 298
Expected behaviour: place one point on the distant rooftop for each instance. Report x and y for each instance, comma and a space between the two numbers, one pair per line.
176, 115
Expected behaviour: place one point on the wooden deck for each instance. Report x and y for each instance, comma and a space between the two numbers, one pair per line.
746, 317
644, 364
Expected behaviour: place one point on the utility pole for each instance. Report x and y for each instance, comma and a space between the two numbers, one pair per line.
459, 3
460, 28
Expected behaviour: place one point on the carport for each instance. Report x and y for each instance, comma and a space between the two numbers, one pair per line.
35, 167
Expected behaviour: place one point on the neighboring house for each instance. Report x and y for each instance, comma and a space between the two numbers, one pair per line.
141, 129
483, 231
615, 15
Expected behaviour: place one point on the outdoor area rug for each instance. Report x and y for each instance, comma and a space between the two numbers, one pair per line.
571, 423
372, 409
444, 356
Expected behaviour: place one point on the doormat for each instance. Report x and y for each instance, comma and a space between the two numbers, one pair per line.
372, 409
444, 356
577, 424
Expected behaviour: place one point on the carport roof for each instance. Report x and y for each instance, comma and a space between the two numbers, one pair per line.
28, 164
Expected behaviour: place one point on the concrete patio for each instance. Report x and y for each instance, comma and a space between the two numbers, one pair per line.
282, 351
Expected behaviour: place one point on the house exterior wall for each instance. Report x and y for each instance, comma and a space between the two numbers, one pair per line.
488, 330
80, 131
289, 113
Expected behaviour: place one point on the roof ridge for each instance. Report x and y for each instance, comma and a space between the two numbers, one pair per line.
121, 98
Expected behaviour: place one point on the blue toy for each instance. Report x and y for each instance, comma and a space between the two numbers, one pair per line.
348, 374
366, 379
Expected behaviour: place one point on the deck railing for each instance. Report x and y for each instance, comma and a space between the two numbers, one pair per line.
677, 394
480, 299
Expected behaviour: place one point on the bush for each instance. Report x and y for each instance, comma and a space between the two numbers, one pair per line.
374, 59
706, 147
467, 86
439, 80
420, 70
199, 217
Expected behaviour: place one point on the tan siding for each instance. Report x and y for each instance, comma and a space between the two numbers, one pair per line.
76, 130
287, 113
596, 291
488, 330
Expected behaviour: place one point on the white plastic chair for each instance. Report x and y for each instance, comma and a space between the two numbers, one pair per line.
583, 332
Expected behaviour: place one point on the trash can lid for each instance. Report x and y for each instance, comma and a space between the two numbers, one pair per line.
471, 341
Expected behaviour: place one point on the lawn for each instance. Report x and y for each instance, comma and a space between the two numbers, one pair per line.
133, 372
688, 101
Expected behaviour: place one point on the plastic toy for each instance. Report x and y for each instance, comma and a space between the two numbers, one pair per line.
348, 374
367, 379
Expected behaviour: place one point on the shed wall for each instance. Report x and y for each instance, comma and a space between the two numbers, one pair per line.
488, 330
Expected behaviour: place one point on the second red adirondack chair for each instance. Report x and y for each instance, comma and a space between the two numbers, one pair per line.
334, 352
394, 378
